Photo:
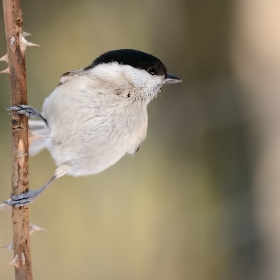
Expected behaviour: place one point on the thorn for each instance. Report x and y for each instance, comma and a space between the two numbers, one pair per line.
33, 228
6, 207
24, 44
25, 34
13, 40
32, 136
23, 258
4, 58
15, 262
9, 247
6, 71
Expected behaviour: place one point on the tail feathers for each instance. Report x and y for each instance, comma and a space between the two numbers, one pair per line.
38, 127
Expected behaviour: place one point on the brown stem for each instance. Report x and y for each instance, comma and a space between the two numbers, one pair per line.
20, 216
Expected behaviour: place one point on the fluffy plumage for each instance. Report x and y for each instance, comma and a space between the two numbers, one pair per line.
98, 114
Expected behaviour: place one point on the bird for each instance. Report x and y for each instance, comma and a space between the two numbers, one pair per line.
95, 115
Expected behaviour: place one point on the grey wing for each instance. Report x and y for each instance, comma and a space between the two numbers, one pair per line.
69, 76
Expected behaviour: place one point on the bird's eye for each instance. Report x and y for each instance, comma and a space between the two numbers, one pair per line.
152, 71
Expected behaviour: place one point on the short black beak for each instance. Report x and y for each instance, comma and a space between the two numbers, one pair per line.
171, 79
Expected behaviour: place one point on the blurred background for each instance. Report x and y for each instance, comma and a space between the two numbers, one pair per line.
201, 199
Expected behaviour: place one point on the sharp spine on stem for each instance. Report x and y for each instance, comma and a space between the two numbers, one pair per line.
6, 207
32, 136
6, 71
4, 58
24, 43
15, 262
23, 258
9, 247
25, 34
33, 228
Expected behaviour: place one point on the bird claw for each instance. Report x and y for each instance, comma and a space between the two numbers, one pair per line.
28, 197
23, 199
26, 110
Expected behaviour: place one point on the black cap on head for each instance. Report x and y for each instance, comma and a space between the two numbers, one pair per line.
136, 59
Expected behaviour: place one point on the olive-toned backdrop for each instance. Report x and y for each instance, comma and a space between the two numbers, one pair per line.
200, 199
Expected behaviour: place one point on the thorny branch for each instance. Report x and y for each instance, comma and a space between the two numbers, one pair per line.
16, 45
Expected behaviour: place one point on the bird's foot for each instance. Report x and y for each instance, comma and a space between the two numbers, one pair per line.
30, 196
22, 199
28, 111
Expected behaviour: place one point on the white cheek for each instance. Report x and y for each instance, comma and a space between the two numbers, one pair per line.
141, 78
123, 75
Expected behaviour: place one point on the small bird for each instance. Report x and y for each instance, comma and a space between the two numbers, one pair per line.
96, 115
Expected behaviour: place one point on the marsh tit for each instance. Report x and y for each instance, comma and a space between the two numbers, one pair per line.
96, 115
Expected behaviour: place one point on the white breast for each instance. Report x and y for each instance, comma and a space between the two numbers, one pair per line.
91, 127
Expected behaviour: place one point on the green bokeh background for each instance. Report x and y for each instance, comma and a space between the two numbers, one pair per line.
182, 207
